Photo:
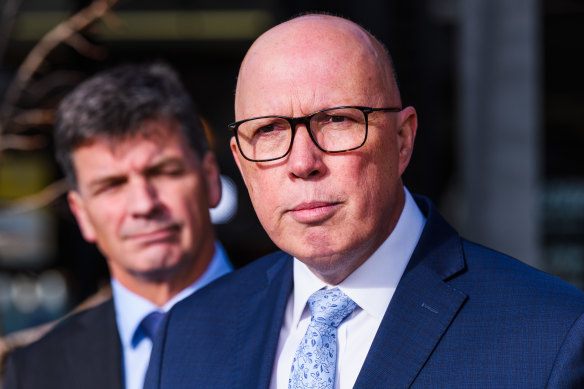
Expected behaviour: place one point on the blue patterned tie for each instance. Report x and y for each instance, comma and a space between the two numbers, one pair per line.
314, 364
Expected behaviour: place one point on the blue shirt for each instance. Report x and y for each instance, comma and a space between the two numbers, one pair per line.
131, 309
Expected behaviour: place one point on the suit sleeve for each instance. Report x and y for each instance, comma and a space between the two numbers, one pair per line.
10, 375
568, 369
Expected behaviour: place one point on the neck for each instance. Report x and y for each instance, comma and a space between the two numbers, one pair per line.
157, 293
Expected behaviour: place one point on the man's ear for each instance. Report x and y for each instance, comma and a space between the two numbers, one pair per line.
407, 126
77, 206
236, 157
211, 172
235, 153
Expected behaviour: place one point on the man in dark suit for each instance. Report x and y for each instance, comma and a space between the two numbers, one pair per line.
142, 181
373, 288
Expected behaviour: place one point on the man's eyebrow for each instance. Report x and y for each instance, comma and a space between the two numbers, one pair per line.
114, 177
105, 180
169, 161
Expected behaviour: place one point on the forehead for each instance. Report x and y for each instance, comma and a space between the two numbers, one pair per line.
299, 70
155, 141
162, 131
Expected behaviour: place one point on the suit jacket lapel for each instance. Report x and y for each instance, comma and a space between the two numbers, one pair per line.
95, 354
420, 311
260, 333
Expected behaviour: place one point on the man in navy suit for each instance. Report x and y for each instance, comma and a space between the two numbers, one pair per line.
142, 181
322, 140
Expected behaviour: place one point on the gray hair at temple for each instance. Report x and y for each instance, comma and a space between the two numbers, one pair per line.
114, 104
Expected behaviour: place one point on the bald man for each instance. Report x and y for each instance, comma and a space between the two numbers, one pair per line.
373, 289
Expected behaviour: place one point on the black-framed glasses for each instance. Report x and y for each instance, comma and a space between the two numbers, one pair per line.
333, 130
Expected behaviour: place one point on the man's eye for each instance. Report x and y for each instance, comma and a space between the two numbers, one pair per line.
269, 129
171, 171
108, 186
266, 129
338, 119
335, 118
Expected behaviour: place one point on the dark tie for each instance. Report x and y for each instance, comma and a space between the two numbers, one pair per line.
150, 323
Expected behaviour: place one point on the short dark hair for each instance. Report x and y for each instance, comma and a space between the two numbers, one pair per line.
115, 103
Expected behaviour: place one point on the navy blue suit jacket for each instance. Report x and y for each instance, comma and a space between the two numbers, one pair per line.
83, 351
463, 316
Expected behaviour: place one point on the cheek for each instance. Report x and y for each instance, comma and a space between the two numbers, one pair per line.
262, 198
368, 178
351, 172
182, 193
106, 225
253, 182
189, 202
106, 216
262, 187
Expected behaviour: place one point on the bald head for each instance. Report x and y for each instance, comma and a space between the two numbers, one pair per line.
317, 47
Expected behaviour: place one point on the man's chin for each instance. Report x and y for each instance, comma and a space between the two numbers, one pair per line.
159, 265
157, 274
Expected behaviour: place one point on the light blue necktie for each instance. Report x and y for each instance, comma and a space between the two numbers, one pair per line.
314, 365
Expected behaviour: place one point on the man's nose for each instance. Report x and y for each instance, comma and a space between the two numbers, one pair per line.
142, 197
305, 158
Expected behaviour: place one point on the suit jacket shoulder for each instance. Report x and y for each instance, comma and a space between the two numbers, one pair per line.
467, 316
226, 334
82, 351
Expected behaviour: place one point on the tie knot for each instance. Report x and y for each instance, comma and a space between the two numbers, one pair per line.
151, 322
330, 306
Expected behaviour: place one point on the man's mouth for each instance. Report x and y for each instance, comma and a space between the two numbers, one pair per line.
313, 212
154, 235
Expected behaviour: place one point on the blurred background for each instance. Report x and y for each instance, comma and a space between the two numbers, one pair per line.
497, 84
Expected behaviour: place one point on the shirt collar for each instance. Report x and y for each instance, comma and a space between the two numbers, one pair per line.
373, 283
131, 308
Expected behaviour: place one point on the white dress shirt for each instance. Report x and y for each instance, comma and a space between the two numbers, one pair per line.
371, 286
131, 309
